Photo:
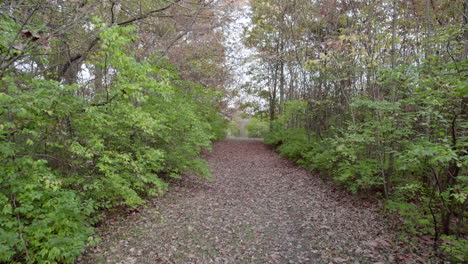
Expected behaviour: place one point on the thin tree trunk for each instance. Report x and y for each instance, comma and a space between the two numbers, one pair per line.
465, 33
273, 96
428, 29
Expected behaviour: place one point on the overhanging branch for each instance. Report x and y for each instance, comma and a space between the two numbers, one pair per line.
147, 14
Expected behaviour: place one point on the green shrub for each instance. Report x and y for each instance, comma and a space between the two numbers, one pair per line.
233, 129
409, 146
257, 128
64, 157
455, 247
39, 218
295, 144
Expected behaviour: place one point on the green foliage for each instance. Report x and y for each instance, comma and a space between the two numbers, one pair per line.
66, 156
293, 145
455, 247
233, 129
257, 128
38, 216
320, 157
379, 111
411, 150
415, 222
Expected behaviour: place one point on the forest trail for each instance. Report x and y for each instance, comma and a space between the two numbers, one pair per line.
260, 209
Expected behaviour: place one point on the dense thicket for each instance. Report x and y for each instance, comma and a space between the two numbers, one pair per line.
94, 115
373, 95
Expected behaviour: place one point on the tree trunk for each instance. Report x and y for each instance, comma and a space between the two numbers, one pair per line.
465, 33
428, 52
273, 96
281, 87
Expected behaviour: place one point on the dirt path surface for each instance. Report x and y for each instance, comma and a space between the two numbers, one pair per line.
260, 209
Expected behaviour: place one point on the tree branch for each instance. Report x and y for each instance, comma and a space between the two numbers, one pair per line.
147, 14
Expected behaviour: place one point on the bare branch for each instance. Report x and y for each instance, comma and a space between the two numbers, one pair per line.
147, 14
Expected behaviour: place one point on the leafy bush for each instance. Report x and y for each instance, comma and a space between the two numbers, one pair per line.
456, 248
38, 216
294, 145
257, 128
410, 149
233, 129
66, 156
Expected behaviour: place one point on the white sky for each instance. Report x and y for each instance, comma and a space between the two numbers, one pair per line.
239, 57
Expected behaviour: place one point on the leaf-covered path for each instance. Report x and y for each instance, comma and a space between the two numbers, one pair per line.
260, 209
